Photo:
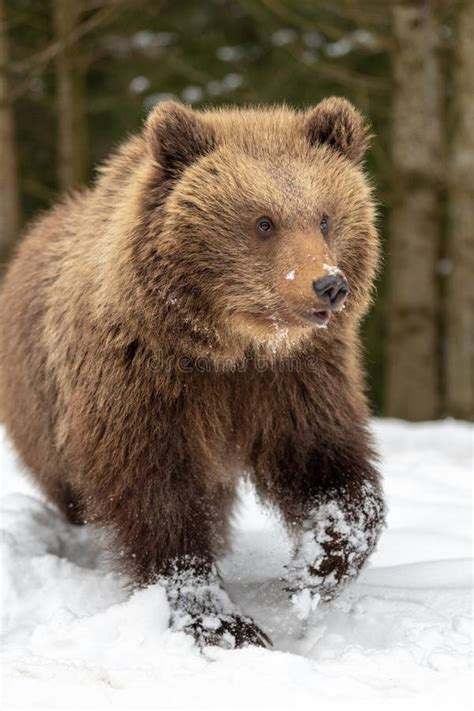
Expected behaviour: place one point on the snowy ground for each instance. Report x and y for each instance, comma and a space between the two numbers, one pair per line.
399, 638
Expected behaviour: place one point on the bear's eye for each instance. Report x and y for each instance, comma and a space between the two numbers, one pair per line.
265, 226
324, 224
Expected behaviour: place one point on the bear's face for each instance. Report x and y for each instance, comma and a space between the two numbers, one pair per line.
268, 225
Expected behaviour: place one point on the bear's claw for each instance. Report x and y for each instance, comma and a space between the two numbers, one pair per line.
228, 632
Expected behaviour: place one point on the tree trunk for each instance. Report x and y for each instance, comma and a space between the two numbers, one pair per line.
459, 309
72, 157
413, 378
9, 184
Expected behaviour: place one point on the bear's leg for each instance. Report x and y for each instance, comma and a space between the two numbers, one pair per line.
332, 503
172, 535
200, 606
334, 538
62, 494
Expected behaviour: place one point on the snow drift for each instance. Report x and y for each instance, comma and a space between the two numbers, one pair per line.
73, 636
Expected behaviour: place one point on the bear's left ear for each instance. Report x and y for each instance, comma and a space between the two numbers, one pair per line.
177, 137
335, 122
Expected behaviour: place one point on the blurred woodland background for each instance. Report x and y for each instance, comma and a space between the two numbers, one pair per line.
76, 76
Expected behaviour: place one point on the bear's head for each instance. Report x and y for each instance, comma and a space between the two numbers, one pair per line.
261, 221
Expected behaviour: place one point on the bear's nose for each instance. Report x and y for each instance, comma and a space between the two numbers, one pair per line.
332, 290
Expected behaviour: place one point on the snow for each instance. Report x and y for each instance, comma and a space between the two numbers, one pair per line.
75, 637
331, 270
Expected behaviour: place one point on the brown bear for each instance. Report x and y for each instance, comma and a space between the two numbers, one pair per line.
194, 316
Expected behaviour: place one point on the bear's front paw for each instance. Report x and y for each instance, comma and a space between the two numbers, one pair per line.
226, 631
201, 607
335, 541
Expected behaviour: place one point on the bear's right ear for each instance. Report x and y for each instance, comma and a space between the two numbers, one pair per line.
336, 123
177, 137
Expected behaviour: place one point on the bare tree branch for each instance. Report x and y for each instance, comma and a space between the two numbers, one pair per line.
38, 62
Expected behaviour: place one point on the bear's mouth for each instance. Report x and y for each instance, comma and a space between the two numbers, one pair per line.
319, 317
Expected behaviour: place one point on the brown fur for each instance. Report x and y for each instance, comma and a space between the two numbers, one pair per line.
135, 317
